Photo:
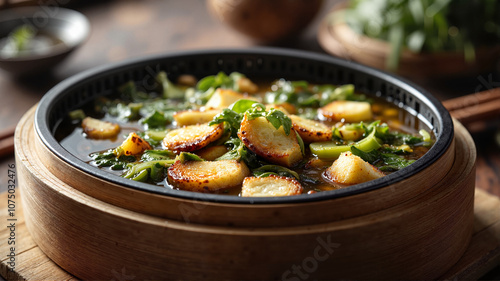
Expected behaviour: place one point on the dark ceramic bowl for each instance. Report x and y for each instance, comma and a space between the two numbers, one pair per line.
69, 28
268, 63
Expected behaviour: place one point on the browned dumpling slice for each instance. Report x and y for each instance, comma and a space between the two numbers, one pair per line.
274, 145
246, 85
270, 186
98, 129
316, 163
350, 169
134, 145
194, 117
212, 152
207, 176
187, 80
285, 107
347, 111
193, 137
310, 130
223, 98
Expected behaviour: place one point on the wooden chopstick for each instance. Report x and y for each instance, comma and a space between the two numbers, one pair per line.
483, 106
7, 142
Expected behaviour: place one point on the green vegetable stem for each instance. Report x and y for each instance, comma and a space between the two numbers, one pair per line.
331, 150
153, 170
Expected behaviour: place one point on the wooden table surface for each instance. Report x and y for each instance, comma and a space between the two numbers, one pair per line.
129, 29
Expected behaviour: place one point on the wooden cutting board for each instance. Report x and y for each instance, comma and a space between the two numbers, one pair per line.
31, 263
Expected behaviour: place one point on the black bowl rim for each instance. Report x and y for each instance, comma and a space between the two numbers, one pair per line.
62, 13
442, 143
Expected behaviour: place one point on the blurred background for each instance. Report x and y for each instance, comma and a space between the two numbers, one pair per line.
449, 47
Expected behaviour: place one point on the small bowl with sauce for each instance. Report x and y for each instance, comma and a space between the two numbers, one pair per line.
35, 39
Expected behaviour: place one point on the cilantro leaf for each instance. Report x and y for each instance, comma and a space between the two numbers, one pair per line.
252, 109
268, 170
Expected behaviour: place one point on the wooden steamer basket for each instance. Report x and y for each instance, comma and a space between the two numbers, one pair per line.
412, 224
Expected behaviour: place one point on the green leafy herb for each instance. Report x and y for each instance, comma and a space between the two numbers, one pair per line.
426, 26
152, 141
267, 170
168, 89
394, 162
153, 112
129, 92
156, 120
276, 117
186, 156
396, 138
151, 155
111, 159
243, 105
206, 87
384, 161
235, 113
329, 93
114, 108
293, 92
123, 111
221, 80
300, 94
153, 170
371, 156
229, 117
301, 143
239, 152
400, 149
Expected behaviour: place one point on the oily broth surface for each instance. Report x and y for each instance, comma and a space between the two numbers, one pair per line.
72, 138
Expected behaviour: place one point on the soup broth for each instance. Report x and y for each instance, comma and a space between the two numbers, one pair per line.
227, 134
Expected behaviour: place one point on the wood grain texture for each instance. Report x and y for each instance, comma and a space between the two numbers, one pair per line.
475, 110
482, 254
31, 262
417, 238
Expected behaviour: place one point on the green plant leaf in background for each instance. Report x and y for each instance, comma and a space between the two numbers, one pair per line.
396, 37
426, 26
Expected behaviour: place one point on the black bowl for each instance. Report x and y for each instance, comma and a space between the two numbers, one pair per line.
69, 27
272, 63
